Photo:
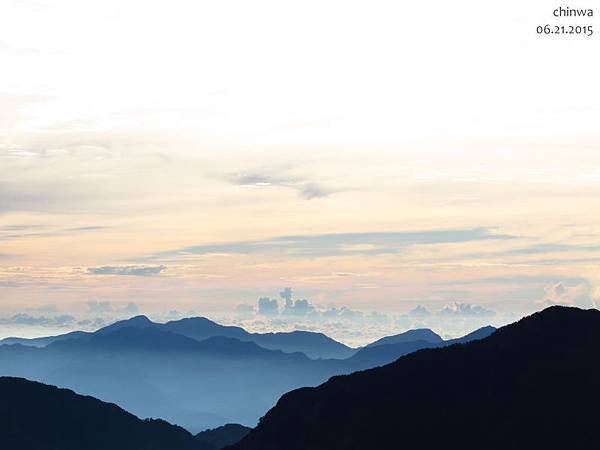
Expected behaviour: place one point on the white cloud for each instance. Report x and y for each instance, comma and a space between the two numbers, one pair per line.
562, 294
104, 307
25, 319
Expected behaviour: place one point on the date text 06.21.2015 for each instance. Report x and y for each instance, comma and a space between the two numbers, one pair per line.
580, 22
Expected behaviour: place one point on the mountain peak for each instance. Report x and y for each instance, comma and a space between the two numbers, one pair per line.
136, 321
141, 319
418, 334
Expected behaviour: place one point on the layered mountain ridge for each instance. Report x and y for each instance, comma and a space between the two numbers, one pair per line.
531, 384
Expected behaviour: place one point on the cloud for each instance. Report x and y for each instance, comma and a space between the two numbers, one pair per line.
45, 309
299, 308
367, 243
419, 311
343, 313
267, 306
465, 310
24, 231
293, 309
245, 310
306, 190
378, 318
25, 319
512, 280
103, 307
562, 294
95, 323
357, 327
543, 249
142, 271
559, 289
96, 306
312, 190
130, 308
287, 294
451, 310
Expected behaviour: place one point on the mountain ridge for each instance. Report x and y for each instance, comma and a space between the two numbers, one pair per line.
313, 344
37, 416
531, 384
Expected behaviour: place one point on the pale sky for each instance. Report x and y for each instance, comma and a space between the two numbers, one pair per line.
197, 155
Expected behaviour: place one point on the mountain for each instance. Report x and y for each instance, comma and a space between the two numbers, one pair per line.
201, 328
381, 354
155, 373
129, 338
532, 384
480, 333
43, 341
133, 322
35, 416
155, 341
198, 383
223, 436
314, 345
420, 334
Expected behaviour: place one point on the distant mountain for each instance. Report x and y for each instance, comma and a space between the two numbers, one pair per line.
533, 384
179, 372
420, 334
130, 338
43, 341
480, 333
223, 436
150, 372
133, 322
35, 416
381, 354
153, 340
314, 345
201, 328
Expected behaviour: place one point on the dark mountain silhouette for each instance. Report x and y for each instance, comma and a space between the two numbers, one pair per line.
420, 334
223, 436
35, 416
314, 345
530, 385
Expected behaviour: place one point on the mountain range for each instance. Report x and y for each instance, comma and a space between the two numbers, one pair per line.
532, 384
192, 372
314, 345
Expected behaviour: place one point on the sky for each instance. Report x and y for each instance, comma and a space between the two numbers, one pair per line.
192, 157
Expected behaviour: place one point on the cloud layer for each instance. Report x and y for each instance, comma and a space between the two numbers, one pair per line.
140, 271
367, 243
359, 327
